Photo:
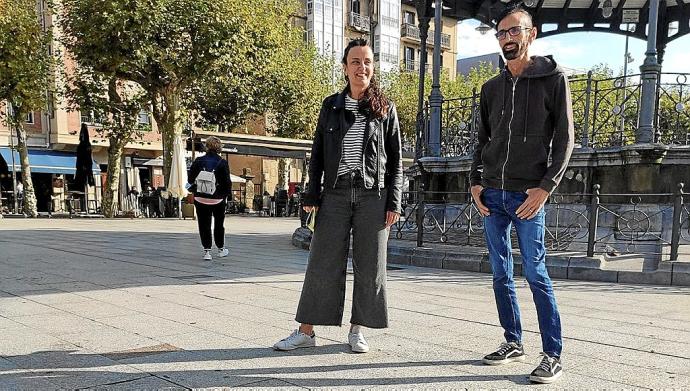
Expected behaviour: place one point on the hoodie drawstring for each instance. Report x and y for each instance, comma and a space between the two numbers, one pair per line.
524, 137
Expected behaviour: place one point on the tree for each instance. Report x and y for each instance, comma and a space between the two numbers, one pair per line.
116, 105
402, 88
25, 67
302, 79
169, 46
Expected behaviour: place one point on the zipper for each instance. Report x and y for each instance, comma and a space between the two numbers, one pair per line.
342, 152
510, 133
364, 148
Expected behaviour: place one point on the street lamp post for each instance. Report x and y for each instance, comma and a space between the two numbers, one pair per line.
436, 98
650, 70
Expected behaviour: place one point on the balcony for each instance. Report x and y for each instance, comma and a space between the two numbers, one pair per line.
413, 66
359, 22
386, 57
411, 31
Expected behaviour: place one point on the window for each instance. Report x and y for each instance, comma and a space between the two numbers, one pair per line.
30, 118
90, 118
355, 6
144, 118
409, 17
409, 54
310, 7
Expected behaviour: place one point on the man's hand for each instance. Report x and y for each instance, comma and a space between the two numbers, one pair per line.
536, 198
309, 208
476, 191
391, 218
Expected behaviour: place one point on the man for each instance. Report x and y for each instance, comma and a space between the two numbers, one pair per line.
525, 115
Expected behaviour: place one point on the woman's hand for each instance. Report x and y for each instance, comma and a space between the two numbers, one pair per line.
391, 218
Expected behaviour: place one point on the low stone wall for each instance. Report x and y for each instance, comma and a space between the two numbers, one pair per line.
572, 265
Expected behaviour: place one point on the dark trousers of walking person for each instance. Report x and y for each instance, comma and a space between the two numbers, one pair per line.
502, 205
348, 207
204, 215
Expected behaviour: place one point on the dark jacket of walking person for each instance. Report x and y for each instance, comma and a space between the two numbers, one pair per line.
525, 117
355, 181
210, 200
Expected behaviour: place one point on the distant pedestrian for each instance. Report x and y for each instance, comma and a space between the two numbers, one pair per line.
209, 179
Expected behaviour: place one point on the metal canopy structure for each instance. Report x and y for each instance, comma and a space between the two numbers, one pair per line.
568, 16
656, 21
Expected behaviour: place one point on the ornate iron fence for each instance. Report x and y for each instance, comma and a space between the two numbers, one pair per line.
592, 223
605, 113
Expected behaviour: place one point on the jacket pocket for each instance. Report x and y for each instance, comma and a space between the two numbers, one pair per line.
529, 158
493, 155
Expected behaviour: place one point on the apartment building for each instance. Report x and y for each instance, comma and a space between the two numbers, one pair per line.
390, 25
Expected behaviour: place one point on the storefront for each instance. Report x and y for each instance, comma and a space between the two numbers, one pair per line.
52, 173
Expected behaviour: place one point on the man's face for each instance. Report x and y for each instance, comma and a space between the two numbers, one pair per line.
360, 66
515, 34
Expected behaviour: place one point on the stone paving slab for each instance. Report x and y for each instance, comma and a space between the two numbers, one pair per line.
129, 304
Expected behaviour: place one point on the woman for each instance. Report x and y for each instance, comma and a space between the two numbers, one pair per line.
356, 151
209, 180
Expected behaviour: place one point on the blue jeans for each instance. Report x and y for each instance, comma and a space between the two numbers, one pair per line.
502, 206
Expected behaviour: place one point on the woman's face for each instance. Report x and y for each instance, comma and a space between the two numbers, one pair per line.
360, 67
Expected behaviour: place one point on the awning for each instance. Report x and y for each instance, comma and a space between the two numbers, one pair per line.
237, 179
45, 161
157, 162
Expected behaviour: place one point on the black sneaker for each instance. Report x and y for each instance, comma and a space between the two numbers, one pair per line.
507, 352
548, 371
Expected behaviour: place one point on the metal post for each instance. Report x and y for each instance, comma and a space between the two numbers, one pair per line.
593, 221
436, 98
588, 92
675, 232
420, 214
650, 70
625, 81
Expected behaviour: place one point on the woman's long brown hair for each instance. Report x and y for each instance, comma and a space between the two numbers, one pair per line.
376, 100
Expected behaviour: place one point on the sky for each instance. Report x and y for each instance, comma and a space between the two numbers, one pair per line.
580, 50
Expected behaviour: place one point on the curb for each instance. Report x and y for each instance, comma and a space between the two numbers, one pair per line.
570, 267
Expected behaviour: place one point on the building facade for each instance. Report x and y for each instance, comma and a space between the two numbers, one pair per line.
391, 26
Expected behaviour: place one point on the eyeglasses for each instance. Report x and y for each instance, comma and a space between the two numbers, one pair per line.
513, 31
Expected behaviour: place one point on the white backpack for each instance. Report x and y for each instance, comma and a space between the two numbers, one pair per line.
206, 181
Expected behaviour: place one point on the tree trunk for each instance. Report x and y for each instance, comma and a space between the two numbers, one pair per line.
167, 117
283, 173
30, 208
112, 186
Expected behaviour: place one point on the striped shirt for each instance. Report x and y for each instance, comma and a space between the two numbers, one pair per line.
353, 140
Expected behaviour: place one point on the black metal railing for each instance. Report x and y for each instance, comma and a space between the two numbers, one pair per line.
588, 223
605, 113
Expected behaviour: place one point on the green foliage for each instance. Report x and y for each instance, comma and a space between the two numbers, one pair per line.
25, 67
302, 79
284, 77
24, 60
402, 88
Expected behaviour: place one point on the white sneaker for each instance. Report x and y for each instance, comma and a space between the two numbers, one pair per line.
223, 252
357, 342
207, 255
296, 340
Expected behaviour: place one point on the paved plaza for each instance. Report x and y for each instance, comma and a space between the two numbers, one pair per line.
129, 304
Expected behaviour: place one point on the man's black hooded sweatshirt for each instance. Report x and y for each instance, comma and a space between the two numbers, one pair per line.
522, 120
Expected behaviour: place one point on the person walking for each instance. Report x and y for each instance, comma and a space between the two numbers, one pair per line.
525, 117
209, 182
357, 153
